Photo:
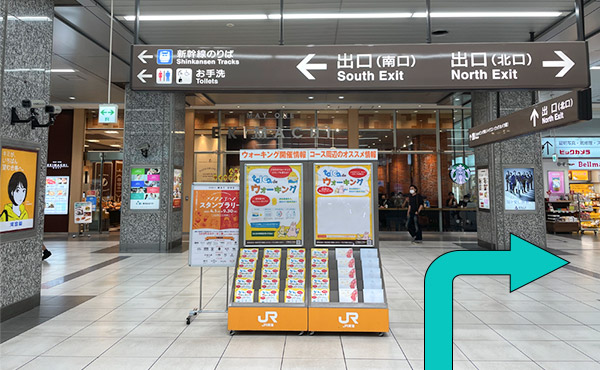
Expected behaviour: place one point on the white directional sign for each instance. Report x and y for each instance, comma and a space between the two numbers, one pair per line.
107, 113
534, 117
547, 65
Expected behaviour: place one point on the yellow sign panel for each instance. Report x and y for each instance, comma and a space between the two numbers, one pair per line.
348, 319
18, 178
579, 175
343, 204
273, 204
268, 318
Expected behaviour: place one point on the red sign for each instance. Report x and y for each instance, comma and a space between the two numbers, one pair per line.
260, 200
357, 172
280, 172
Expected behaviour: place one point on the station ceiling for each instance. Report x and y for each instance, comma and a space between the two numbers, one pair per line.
81, 36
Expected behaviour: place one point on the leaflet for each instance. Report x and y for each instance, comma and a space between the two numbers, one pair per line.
348, 295
296, 262
269, 283
296, 253
268, 296
243, 272
243, 283
247, 262
244, 295
370, 263
368, 253
270, 273
320, 283
319, 252
371, 273
271, 263
344, 253
346, 272
350, 262
319, 262
372, 283
320, 273
294, 283
347, 283
373, 295
272, 253
249, 253
294, 296
320, 295
295, 273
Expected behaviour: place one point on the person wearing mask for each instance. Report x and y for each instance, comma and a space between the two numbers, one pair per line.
415, 206
384, 202
451, 201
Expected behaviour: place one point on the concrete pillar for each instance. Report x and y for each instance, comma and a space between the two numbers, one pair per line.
353, 129
494, 227
154, 121
188, 170
77, 162
25, 61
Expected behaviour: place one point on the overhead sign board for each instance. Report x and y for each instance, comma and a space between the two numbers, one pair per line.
566, 109
548, 65
308, 154
571, 147
107, 113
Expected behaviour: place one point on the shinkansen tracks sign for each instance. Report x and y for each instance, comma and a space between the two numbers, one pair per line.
410, 67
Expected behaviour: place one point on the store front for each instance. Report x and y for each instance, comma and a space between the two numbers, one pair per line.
416, 146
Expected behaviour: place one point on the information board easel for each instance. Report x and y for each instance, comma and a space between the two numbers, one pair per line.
213, 232
291, 265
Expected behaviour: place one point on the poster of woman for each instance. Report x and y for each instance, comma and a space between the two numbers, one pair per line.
18, 178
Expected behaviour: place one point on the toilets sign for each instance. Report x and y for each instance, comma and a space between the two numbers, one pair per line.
548, 65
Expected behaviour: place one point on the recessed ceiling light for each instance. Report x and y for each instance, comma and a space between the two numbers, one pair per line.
328, 106
379, 106
238, 106
283, 106
115, 145
457, 99
595, 67
93, 140
212, 111
439, 33
111, 132
63, 70
230, 111
86, 146
71, 97
386, 136
340, 97
230, 25
416, 111
311, 97
337, 130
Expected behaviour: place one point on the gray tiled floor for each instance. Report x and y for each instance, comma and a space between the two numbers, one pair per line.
136, 318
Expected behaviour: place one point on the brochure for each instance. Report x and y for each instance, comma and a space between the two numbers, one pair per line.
348, 295
295, 273
269, 283
270, 273
373, 295
293, 283
320, 295
296, 253
320, 273
294, 296
347, 283
244, 295
243, 272
243, 283
320, 283
344, 253
268, 296
272, 253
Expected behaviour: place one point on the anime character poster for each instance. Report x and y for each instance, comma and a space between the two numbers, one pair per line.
556, 182
519, 189
273, 197
343, 205
18, 178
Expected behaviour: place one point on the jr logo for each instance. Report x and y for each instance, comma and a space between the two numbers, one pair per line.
350, 316
269, 315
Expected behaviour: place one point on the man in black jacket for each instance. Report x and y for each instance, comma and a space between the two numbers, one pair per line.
415, 206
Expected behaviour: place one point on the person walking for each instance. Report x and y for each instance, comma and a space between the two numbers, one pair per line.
415, 206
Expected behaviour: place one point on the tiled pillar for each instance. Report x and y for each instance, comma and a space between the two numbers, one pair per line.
494, 227
25, 61
153, 120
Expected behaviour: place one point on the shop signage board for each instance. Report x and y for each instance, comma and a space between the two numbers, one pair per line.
57, 195
145, 188
343, 205
308, 154
18, 177
571, 147
565, 110
177, 187
214, 224
273, 197
93, 200
107, 113
548, 65
584, 164
82, 212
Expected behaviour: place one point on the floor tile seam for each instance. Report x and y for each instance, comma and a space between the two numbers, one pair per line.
33, 359
576, 349
507, 341
397, 282
343, 352
283, 352
398, 343
223, 353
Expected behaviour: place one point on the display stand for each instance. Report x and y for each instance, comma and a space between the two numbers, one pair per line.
213, 233
329, 276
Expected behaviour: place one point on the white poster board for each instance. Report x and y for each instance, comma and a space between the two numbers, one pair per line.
82, 213
343, 205
57, 195
214, 224
483, 185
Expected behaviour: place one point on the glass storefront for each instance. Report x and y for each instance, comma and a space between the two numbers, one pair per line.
416, 146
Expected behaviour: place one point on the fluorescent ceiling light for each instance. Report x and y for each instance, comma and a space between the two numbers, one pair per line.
489, 15
63, 70
198, 17
595, 67
93, 140
30, 19
341, 16
111, 132
115, 145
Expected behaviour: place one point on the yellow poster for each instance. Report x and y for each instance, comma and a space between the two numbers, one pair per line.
18, 178
343, 205
273, 197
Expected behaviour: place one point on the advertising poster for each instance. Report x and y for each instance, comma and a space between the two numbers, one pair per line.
145, 188
17, 189
483, 184
343, 205
214, 224
83, 213
556, 182
579, 175
519, 190
177, 187
57, 195
273, 197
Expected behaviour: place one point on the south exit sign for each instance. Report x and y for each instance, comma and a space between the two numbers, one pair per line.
107, 113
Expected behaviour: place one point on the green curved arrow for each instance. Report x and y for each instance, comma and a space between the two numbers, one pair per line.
524, 262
